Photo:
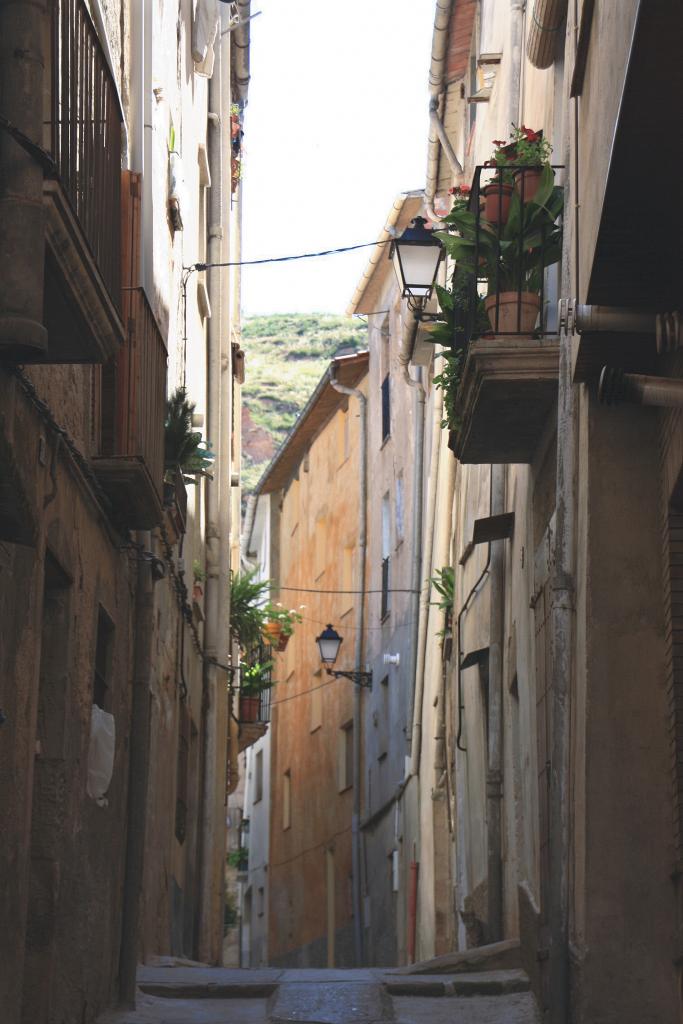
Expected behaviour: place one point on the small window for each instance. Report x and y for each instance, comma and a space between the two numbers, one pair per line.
316, 709
287, 800
386, 553
260, 901
400, 516
345, 757
386, 409
258, 776
103, 652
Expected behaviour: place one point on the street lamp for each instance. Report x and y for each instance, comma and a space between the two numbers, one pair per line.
416, 256
329, 643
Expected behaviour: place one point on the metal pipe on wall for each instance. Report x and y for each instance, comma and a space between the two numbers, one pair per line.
494, 768
358, 665
138, 774
212, 529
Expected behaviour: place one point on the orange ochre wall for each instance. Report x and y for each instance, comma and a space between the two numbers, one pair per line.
318, 551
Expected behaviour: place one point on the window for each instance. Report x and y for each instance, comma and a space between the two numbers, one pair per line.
287, 800
386, 554
345, 757
258, 776
103, 649
260, 902
320, 545
386, 409
400, 517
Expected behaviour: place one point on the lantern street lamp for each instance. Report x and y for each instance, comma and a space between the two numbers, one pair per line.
416, 256
329, 643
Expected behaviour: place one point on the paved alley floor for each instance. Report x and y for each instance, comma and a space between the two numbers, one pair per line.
203, 995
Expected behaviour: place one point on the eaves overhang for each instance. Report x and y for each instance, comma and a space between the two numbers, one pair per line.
320, 408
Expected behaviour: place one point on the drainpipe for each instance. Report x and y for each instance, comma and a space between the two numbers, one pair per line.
138, 774
210, 826
616, 386
416, 537
427, 565
494, 770
562, 614
357, 690
437, 132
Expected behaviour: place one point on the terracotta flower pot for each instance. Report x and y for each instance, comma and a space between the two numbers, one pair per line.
272, 633
530, 180
249, 708
497, 205
517, 314
283, 641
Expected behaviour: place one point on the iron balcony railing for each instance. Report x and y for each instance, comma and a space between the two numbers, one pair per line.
503, 285
134, 390
85, 135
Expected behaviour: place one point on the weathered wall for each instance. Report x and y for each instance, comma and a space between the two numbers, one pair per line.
319, 522
63, 853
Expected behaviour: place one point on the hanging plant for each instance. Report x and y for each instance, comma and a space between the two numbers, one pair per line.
184, 448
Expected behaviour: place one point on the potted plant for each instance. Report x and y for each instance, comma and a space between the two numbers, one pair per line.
198, 577
532, 153
512, 258
184, 450
253, 679
247, 616
239, 858
497, 192
443, 583
279, 624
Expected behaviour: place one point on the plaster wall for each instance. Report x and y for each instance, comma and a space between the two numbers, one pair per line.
391, 464
319, 520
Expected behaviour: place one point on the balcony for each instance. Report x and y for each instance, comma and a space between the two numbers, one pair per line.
82, 198
254, 709
131, 465
508, 240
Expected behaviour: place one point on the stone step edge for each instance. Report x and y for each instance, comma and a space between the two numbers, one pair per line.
481, 983
498, 956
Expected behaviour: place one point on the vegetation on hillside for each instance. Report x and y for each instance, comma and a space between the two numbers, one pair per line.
286, 354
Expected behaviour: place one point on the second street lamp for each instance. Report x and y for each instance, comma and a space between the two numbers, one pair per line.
416, 256
329, 643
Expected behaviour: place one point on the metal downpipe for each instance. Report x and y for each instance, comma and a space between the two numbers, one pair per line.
494, 768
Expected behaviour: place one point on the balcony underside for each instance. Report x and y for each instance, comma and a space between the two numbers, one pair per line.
508, 389
127, 483
83, 324
250, 732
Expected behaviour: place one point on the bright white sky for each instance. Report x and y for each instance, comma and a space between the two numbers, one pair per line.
336, 126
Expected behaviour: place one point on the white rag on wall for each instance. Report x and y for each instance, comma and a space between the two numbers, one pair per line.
100, 754
204, 32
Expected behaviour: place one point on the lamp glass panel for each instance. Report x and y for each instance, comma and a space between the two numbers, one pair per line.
418, 265
329, 649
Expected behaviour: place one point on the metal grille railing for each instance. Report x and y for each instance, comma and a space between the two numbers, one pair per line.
134, 390
85, 129
515, 241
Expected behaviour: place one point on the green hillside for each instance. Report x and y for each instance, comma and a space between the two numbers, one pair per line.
286, 354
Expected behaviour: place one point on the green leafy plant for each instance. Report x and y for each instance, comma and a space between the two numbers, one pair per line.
198, 574
449, 381
238, 858
529, 241
247, 615
285, 618
255, 677
183, 446
443, 582
530, 148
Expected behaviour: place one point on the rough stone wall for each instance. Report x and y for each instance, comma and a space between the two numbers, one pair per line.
64, 853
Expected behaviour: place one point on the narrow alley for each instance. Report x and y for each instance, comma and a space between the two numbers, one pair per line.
341, 512
200, 995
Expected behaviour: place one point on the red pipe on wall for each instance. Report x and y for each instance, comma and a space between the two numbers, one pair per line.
412, 910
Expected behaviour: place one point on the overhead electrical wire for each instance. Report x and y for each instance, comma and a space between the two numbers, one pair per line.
288, 259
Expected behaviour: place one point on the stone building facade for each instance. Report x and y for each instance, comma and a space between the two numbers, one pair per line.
113, 664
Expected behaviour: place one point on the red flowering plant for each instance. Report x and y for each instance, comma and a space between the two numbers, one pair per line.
461, 197
531, 149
